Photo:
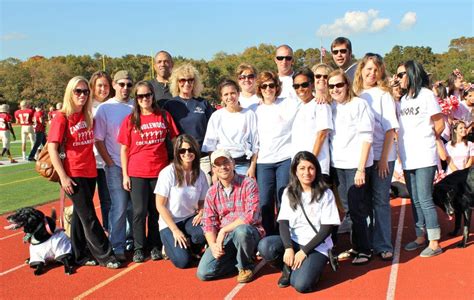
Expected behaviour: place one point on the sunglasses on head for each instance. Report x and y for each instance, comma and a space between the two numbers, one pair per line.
338, 85
287, 58
184, 150
318, 76
243, 77
303, 85
184, 80
336, 52
123, 84
401, 74
78, 92
141, 96
265, 86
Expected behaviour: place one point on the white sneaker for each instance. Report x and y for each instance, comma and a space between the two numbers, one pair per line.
346, 225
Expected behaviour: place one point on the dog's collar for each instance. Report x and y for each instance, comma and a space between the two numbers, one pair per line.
29, 236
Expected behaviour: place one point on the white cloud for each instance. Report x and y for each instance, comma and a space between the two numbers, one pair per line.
13, 36
408, 20
354, 22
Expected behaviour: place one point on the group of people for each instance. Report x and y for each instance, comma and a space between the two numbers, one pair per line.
271, 171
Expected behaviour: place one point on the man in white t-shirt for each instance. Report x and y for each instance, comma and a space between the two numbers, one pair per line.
284, 61
107, 122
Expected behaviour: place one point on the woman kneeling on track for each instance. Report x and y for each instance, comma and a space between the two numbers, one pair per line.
307, 216
180, 193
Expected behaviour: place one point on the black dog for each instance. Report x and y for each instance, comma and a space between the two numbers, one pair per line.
46, 243
455, 195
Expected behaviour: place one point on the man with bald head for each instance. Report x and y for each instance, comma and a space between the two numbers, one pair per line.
163, 67
284, 61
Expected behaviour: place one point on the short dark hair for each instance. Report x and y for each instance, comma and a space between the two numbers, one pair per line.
342, 41
227, 82
305, 72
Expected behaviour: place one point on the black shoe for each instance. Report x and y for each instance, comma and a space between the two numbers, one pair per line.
155, 254
284, 280
31, 159
138, 256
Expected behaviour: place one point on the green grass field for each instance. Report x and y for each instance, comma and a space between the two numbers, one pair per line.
21, 185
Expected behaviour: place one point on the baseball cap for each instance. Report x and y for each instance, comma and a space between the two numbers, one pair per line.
122, 74
220, 153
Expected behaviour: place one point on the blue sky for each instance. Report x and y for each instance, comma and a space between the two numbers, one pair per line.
199, 29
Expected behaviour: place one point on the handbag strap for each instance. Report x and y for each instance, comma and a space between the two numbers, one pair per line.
307, 219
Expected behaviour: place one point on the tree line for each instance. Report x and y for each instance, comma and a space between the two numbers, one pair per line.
41, 79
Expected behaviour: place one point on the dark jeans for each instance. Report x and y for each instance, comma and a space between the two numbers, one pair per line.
104, 198
358, 199
143, 202
303, 279
40, 141
181, 257
272, 180
87, 235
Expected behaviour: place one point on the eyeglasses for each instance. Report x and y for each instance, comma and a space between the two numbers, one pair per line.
338, 85
78, 92
336, 52
287, 58
141, 96
184, 150
317, 76
265, 86
184, 80
401, 74
123, 84
303, 85
243, 77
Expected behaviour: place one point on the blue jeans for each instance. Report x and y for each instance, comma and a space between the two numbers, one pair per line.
120, 199
104, 198
272, 179
241, 168
305, 277
380, 216
357, 199
420, 186
40, 140
181, 257
239, 246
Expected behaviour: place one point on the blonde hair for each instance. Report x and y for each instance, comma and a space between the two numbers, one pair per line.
186, 71
324, 66
68, 102
382, 80
339, 72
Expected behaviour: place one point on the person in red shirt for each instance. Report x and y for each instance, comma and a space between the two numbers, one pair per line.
5, 130
143, 154
77, 173
24, 117
39, 126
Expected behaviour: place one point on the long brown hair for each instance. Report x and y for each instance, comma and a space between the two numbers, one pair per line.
137, 111
178, 163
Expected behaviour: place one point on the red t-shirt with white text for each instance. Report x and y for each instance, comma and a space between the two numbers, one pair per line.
24, 116
147, 154
80, 161
39, 121
4, 120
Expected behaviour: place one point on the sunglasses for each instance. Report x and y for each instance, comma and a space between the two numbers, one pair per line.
303, 85
338, 85
401, 74
78, 92
318, 76
336, 52
123, 84
287, 58
184, 150
250, 76
265, 86
146, 96
184, 80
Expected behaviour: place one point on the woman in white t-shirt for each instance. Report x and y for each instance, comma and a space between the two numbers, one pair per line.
180, 193
275, 117
421, 123
352, 157
371, 84
460, 151
301, 252
247, 74
234, 129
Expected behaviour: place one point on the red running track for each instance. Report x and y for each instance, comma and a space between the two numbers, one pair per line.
447, 276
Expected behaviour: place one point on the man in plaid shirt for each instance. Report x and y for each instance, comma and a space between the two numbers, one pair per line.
231, 222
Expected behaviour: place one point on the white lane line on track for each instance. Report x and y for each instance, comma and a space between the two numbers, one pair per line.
107, 281
239, 286
12, 269
11, 235
392, 283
